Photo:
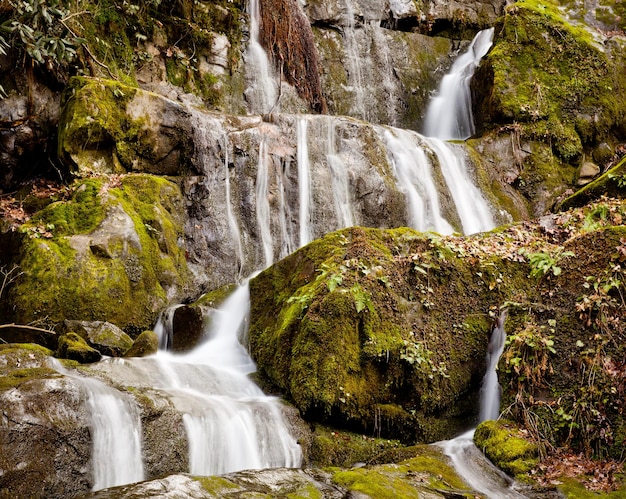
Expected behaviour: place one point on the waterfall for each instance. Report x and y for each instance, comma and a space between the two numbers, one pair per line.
449, 117
261, 92
490, 391
449, 114
470, 204
232, 221
263, 205
304, 183
164, 328
231, 425
344, 211
353, 64
469, 462
414, 176
115, 432
288, 241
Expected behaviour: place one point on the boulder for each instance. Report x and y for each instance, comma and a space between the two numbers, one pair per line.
105, 337
587, 172
73, 347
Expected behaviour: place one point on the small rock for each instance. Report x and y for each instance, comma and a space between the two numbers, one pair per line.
587, 172
105, 337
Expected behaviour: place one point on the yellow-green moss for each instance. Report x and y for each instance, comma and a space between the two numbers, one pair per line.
505, 447
407, 479
73, 347
572, 488
123, 283
553, 82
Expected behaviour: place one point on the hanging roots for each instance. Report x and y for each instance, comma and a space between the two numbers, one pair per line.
287, 36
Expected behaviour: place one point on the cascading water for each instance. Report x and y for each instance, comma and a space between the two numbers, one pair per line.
232, 221
261, 92
470, 204
304, 183
449, 117
414, 175
230, 423
468, 460
449, 114
115, 432
340, 182
263, 206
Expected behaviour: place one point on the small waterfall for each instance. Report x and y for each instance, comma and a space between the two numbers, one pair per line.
232, 221
304, 183
449, 114
449, 117
353, 64
490, 391
261, 92
470, 204
340, 182
467, 459
287, 231
231, 425
263, 205
414, 175
115, 432
164, 327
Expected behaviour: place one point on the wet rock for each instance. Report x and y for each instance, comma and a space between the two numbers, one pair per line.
73, 347
602, 154
44, 429
105, 337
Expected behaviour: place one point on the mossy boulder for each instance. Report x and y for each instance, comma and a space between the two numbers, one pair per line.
550, 81
147, 343
387, 329
105, 337
74, 347
379, 330
504, 444
111, 252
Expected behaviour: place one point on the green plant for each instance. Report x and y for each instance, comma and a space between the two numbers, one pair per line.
528, 352
39, 28
544, 262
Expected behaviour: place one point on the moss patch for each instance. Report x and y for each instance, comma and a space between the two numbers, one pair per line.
504, 445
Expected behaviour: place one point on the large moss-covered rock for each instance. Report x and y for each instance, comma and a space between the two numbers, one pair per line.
382, 330
552, 78
111, 252
388, 329
506, 447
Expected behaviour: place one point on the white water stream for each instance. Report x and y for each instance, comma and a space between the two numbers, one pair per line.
449, 114
469, 462
304, 183
115, 432
261, 92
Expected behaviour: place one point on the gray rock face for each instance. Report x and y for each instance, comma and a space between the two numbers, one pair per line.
44, 429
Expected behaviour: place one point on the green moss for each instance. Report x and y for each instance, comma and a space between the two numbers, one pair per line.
121, 278
407, 479
553, 83
216, 485
505, 447
73, 347
18, 376
572, 488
